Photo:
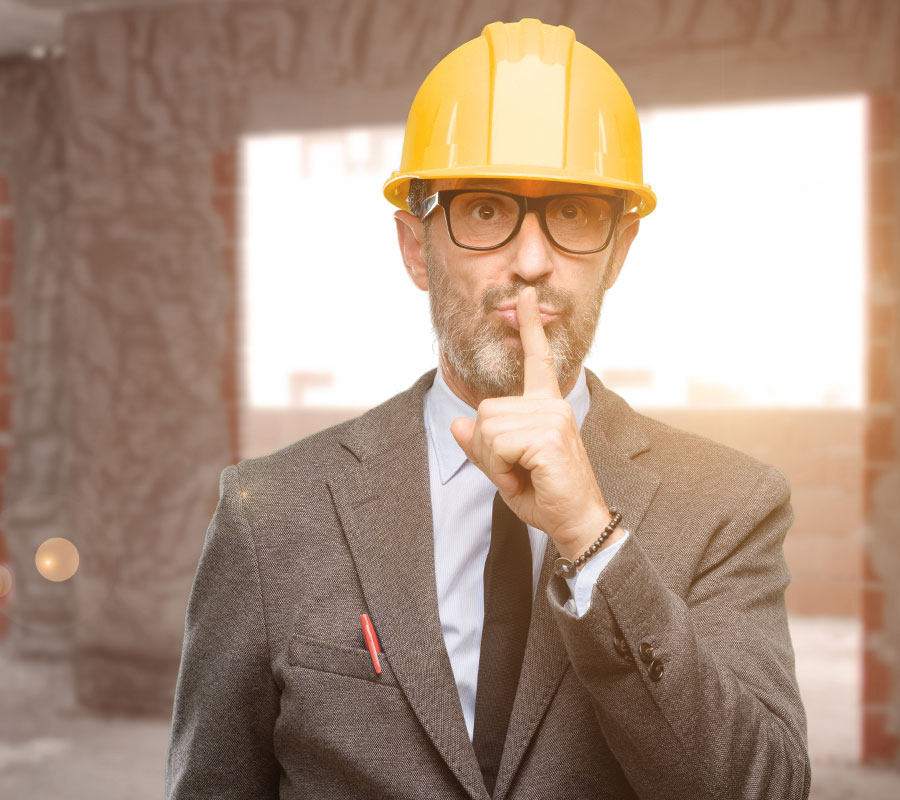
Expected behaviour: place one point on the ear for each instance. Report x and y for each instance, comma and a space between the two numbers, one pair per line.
628, 228
411, 237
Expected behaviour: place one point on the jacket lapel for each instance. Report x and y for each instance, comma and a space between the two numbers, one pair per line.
612, 436
384, 504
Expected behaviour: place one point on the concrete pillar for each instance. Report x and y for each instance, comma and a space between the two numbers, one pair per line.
40, 612
7, 236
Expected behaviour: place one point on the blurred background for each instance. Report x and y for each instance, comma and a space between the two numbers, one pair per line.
197, 266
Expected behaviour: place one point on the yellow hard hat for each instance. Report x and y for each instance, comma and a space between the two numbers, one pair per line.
524, 100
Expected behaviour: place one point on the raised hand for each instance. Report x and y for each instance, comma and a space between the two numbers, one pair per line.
531, 449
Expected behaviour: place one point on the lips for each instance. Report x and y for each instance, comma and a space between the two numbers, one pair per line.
508, 314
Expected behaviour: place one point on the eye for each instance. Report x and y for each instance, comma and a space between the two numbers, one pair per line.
570, 211
485, 212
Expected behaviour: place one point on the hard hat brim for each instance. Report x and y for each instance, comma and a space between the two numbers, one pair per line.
396, 188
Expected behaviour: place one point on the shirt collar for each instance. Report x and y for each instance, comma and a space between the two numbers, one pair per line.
442, 406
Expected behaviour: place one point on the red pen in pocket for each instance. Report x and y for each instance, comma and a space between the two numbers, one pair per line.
371, 640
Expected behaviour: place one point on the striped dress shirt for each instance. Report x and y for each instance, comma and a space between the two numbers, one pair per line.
462, 499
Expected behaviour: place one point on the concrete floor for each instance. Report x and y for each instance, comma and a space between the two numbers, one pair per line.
51, 750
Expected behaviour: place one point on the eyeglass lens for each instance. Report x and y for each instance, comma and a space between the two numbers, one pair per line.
576, 222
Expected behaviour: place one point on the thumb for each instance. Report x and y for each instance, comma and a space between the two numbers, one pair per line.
462, 429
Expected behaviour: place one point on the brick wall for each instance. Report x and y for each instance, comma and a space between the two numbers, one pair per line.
881, 726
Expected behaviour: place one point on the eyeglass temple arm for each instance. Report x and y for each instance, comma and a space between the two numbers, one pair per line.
428, 205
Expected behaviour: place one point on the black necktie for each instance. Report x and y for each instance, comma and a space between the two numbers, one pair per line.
507, 615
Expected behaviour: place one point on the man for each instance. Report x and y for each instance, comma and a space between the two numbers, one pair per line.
569, 599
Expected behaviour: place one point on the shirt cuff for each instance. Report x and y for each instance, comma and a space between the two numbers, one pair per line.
582, 584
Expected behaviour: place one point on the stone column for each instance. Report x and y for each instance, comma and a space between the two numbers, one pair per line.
40, 612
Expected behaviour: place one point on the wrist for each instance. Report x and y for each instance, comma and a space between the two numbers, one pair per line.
586, 533
574, 553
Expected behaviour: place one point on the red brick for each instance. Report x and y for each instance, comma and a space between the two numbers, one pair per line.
805, 469
5, 406
880, 373
878, 681
225, 205
5, 193
872, 475
879, 438
882, 118
871, 577
808, 595
880, 745
843, 470
881, 249
7, 323
882, 177
827, 514
5, 375
7, 236
881, 320
225, 169
872, 609
6, 271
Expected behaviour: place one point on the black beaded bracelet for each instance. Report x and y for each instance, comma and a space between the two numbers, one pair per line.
568, 569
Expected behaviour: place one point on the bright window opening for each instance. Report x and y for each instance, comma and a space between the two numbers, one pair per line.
743, 289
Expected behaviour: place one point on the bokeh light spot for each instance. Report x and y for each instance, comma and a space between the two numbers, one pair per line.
57, 559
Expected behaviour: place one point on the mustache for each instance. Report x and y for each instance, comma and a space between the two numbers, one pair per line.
562, 301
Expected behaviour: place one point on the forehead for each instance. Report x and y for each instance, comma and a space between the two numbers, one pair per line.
526, 186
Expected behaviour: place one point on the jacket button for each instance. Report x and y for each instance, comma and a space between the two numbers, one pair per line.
656, 669
646, 652
622, 648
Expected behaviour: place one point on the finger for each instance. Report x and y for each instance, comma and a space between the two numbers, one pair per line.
540, 369
497, 407
509, 483
462, 429
506, 450
486, 432
502, 467
501, 406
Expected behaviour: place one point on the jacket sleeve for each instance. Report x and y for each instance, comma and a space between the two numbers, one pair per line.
698, 694
226, 699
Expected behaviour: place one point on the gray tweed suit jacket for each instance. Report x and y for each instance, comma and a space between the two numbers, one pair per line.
277, 696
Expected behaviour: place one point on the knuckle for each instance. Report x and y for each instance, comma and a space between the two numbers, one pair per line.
486, 406
553, 436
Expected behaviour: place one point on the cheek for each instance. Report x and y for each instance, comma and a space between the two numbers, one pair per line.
466, 282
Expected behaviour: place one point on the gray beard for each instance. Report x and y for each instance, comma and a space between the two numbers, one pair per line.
473, 344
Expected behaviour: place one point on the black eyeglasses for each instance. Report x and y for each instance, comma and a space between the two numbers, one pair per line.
485, 220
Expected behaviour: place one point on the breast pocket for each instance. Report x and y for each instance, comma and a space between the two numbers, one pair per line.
353, 662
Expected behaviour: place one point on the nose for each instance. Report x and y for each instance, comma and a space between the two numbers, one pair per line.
533, 253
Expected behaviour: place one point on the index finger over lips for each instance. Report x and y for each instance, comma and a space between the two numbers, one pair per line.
540, 369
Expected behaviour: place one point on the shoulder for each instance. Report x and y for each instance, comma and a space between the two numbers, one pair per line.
310, 460
686, 462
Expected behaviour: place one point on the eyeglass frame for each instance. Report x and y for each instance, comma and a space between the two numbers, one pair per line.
444, 198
